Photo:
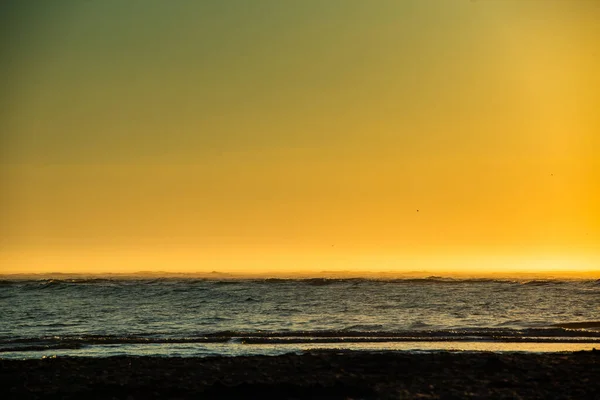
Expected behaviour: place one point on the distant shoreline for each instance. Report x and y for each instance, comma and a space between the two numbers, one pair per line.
548, 275
323, 374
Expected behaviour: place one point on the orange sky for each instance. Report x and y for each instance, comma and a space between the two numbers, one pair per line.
271, 136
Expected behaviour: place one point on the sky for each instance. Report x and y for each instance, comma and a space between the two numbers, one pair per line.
280, 135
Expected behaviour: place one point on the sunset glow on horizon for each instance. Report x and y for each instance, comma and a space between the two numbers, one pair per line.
278, 136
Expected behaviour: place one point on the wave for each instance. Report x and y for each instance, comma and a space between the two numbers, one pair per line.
544, 282
10, 282
550, 334
579, 325
183, 284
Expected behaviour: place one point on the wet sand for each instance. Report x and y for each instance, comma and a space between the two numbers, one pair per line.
315, 375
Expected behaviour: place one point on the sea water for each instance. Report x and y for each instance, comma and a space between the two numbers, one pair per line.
203, 317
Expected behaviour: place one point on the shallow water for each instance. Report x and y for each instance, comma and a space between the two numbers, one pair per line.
191, 317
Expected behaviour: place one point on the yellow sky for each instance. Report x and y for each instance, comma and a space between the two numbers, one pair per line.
286, 135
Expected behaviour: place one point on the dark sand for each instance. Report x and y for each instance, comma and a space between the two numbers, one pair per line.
317, 375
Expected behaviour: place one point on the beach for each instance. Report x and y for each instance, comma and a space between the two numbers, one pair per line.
311, 375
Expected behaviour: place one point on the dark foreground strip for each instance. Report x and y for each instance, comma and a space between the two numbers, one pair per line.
315, 375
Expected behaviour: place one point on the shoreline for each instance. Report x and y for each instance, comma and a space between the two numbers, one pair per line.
247, 349
315, 374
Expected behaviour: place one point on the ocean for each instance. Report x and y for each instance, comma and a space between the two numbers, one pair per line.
230, 317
